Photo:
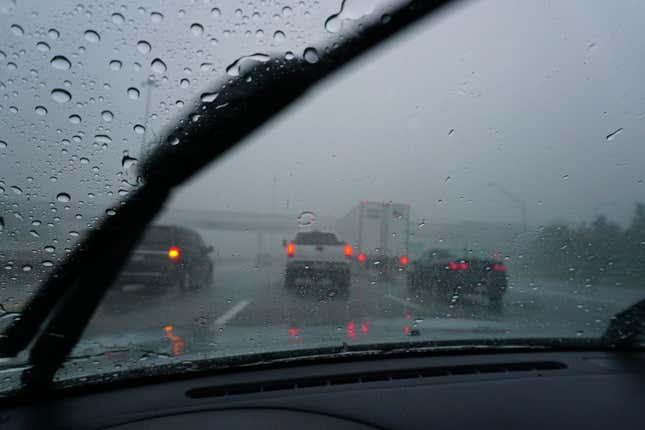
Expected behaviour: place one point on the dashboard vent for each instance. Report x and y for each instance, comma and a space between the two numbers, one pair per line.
357, 378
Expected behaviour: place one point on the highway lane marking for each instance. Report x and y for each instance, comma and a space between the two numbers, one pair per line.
231, 313
404, 302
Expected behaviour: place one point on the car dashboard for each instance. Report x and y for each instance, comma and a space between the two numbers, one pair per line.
529, 390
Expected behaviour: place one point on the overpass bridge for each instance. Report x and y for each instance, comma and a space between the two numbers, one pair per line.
495, 237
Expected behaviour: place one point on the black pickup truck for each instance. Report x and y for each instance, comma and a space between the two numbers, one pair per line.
445, 276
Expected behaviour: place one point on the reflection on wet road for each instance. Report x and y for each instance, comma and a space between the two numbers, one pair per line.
249, 307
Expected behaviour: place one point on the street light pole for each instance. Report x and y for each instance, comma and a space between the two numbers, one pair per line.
148, 84
517, 201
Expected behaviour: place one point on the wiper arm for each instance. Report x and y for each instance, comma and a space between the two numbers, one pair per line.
627, 325
66, 301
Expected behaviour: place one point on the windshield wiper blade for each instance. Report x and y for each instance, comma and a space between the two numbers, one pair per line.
627, 325
66, 301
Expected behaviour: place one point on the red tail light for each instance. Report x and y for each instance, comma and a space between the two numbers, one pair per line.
348, 250
174, 253
458, 266
404, 260
291, 249
361, 257
499, 268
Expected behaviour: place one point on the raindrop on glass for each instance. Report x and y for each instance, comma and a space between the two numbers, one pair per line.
40, 110
115, 65
42, 47
61, 96
63, 197
61, 63
133, 93
611, 136
117, 18
139, 129
143, 47
306, 218
103, 138
127, 162
234, 68
107, 115
7, 6
311, 55
17, 30
216, 13
156, 17
91, 36
75, 119
53, 33
197, 29
158, 66
208, 97
279, 36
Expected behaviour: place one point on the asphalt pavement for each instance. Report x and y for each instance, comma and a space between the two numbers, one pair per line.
248, 307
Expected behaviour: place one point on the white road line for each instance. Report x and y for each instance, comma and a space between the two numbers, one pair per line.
231, 313
404, 302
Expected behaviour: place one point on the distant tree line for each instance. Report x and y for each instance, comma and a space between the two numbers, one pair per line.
599, 250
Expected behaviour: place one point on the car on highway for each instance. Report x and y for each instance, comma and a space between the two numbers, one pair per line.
167, 257
320, 257
515, 128
448, 275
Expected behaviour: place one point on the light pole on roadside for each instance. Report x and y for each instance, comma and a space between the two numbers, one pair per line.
147, 85
517, 202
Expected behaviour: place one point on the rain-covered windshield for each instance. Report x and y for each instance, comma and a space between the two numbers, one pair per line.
477, 178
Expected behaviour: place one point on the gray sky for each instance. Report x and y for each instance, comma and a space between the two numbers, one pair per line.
531, 90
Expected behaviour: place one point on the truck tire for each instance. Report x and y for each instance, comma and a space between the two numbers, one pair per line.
495, 299
496, 304
343, 281
412, 283
289, 280
186, 282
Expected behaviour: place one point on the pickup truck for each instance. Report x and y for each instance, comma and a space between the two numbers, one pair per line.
319, 256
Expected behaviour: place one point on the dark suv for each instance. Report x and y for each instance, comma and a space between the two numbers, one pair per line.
446, 276
168, 256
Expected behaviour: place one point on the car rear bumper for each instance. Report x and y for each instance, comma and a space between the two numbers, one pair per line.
467, 284
150, 279
311, 267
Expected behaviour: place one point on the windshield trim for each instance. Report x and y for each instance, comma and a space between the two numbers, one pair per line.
186, 369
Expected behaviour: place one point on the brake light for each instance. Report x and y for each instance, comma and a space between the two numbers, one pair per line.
458, 266
174, 253
499, 268
291, 249
348, 250
361, 257
463, 266
404, 260
453, 266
